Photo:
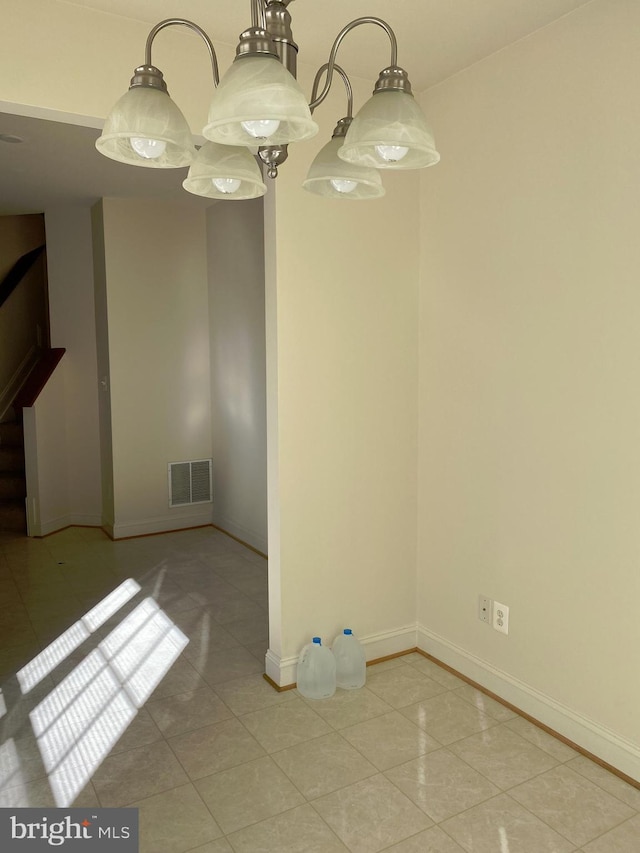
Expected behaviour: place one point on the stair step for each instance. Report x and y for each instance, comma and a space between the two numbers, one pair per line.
11, 434
13, 516
13, 489
11, 459
12, 486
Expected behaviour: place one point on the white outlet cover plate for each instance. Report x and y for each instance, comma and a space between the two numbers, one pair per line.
500, 619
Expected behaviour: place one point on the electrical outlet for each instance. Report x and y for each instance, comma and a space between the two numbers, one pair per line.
484, 609
500, 617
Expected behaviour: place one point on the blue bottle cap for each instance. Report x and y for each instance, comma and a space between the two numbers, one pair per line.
348, 631
318, 640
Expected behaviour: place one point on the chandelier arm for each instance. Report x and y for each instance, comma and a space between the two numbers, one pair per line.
258, 18
182, 21
345, 79
331, 64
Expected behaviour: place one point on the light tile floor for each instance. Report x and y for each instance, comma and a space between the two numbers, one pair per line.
131, 675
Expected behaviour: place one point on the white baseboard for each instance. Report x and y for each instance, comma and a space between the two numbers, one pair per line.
605, 744
53, 525
272, 663
250, 537
282, 671
160, 524
86, 520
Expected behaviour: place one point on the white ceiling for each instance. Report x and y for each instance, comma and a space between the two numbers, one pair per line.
58, 164
436, 38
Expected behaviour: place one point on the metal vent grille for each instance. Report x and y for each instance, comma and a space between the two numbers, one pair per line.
190, 482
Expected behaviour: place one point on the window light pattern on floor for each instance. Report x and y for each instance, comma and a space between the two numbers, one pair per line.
81, 719
58, 651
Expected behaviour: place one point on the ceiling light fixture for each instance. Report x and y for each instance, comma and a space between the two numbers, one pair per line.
259, 104
331, 176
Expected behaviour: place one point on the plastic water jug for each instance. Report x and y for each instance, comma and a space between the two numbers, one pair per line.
351, 663
316, 675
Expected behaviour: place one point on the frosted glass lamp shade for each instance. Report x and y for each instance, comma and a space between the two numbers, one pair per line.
258, 102
331, 177
390, 132
224, 171
145, 128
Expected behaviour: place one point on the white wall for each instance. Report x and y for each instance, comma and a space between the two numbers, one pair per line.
71, 315
158, 351
48, 471
342, 294
73, 41
19, 235
529, 354
63, 466
235, 249
101, 324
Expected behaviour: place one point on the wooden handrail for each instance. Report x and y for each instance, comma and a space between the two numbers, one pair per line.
17, 272
37, 379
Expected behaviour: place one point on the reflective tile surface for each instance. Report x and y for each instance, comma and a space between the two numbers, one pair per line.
131, 675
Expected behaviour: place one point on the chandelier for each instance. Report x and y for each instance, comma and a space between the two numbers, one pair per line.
258, 109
